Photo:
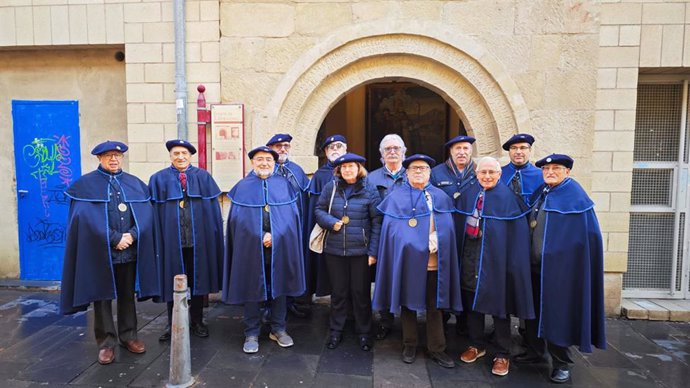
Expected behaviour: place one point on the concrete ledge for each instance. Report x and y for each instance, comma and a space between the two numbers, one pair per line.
44, 285
677, 310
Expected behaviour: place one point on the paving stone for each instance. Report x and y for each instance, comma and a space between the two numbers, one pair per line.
342, 381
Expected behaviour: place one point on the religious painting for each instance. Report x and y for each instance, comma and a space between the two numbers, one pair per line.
414, 112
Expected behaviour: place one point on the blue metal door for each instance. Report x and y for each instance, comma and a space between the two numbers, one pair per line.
47, 160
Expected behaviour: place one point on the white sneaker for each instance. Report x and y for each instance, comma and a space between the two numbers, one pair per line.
251, 344
282, 338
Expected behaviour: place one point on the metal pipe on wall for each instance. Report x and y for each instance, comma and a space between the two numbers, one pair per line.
180, 71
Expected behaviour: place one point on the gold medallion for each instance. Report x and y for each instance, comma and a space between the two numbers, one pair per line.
533, 224
456, 195
267, 208
345, 220
182, 204
412, 222
122, 207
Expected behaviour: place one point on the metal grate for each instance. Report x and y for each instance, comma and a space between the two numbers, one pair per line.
657, 122
652, 186
686, 154
650, 251
679, 261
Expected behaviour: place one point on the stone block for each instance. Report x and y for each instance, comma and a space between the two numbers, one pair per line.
618, 242
375, 10
243, 54
136, 152
145, 133
159, 72
161, 113
134, 72
24, 18
650, 46
619, 56
608, 35
625, 120
620, 13
686, 45
679, 310
18, 3
663, 13
546, 52
601, 161
603, 120
269, 20
250, 88
480, 16
191, 10
631, 310
672, 46
321, 18
601, 200
41, 23
95, 14
209, 10
144, 92
622, 161
555, 17
420, 10
613, 141
606, 78
531, 85
193, 52
570, 90
281, 53
144, 52
614, 222
613, 182
78, 31
210, 51
157, 151
8, 33
168, 52
627, 78
203, 72
579, 52
144, 170
167, 11
159, 32
169, 92
654, 311
59, 24
142, 12
114, 23
134, 33
136, 114
615, 261
564, 130
630, 35
203, 31
620, 202
616, 98
511, 50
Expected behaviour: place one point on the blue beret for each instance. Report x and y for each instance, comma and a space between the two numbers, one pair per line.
431, 162
279, 138
349, 157
109, 146
460, 139
180, 143
518, 138
333, 139
563, 160
263, 149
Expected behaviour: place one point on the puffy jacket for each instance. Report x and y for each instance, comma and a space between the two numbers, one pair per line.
360, 236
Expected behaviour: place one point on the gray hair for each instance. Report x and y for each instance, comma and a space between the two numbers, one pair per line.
487, 159
392, 136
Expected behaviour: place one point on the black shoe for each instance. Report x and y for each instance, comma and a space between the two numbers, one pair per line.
442, 359
165, 337
528, 358
409, 354
334, 340
199, 329
382, 332
292, 309
365, 343
560, 375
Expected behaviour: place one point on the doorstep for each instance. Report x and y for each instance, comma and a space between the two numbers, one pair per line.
677, 310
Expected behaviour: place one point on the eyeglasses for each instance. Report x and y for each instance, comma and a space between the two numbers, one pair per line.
390, 149
418, 168
117, 156
519, 148
553, 168
488, 172
283, 146
335, 146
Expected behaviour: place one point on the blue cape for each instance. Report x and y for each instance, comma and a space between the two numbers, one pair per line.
572, 272
207, 226
531, 178
404, 252
504, 285
87, 273
382, 179
316, 273
244, 279
300, 183
443, 176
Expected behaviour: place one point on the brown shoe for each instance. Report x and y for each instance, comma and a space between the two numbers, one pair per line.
135, 346
501, 366
106, 356
471, 354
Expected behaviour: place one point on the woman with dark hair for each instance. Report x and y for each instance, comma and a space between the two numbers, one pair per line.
347, 210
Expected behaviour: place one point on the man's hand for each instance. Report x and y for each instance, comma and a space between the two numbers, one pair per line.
337, 226
125, 242
267, 240
372, 260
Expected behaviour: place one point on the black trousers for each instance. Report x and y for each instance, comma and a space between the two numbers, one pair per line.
560, 355
350, 280
103, 324
475, 326
435, 337
196, 305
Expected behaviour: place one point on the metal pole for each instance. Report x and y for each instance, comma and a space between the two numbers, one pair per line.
180, 354
202, 118
180, 75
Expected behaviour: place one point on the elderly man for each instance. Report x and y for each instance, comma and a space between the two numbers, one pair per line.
263, 262
456, 174
417, 259
317, 277
191, 227
567, 270
495, 262
110, 245
520, 175
280, 143
392, 174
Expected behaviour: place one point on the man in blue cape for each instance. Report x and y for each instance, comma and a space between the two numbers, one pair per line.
495, 275
109, 252
417, 259
456, 174
263, 263
567, 261
280, 143
185, 199
334, 147
390, 175
520, 175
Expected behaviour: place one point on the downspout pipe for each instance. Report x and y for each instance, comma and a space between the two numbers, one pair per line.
180, 71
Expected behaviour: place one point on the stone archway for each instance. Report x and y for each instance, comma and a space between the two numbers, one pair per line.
432, 55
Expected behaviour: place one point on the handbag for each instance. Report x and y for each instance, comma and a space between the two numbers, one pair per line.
317, 237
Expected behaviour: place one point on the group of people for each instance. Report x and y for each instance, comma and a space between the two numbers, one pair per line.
462, 237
